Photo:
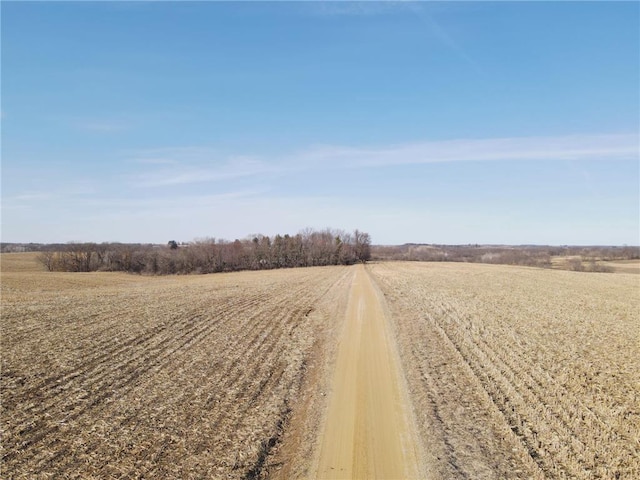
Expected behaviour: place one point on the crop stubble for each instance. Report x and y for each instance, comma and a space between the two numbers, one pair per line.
512, 372
520, 372
113, 375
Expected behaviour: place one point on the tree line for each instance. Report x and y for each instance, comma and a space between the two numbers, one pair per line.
524, 255
258, 252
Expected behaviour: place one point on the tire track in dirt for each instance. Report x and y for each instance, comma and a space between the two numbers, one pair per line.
369, 428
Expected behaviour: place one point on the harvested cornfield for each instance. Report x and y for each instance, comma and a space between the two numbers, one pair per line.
520, 372
119, 376
493, 372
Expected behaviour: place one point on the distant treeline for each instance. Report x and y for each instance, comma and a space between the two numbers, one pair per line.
307, 248
526, 255
259, 252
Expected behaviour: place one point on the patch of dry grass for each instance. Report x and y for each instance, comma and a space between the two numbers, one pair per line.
577, 263
623, 266
20, 262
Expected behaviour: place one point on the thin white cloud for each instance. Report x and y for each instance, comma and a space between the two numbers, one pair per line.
573, 147
79, 189
30, 196
173, 172
358, 8
102, 127
438, 30
156, 161
98, 125
422, 11
182, 203
189, 165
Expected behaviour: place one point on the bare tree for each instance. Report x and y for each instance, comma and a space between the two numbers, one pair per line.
362, 246
307, 248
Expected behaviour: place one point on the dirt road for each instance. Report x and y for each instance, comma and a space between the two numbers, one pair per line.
369, 430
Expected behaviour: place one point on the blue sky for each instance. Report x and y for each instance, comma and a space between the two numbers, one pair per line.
416, 122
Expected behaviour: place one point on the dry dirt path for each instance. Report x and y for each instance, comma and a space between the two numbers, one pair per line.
369, 430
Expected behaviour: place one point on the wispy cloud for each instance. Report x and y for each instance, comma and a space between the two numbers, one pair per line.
34, 199
101, 125
229, 209
26, 200
31, 196
189, 165
359, 8
179, 166
422, 11
182, 203
572, 147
